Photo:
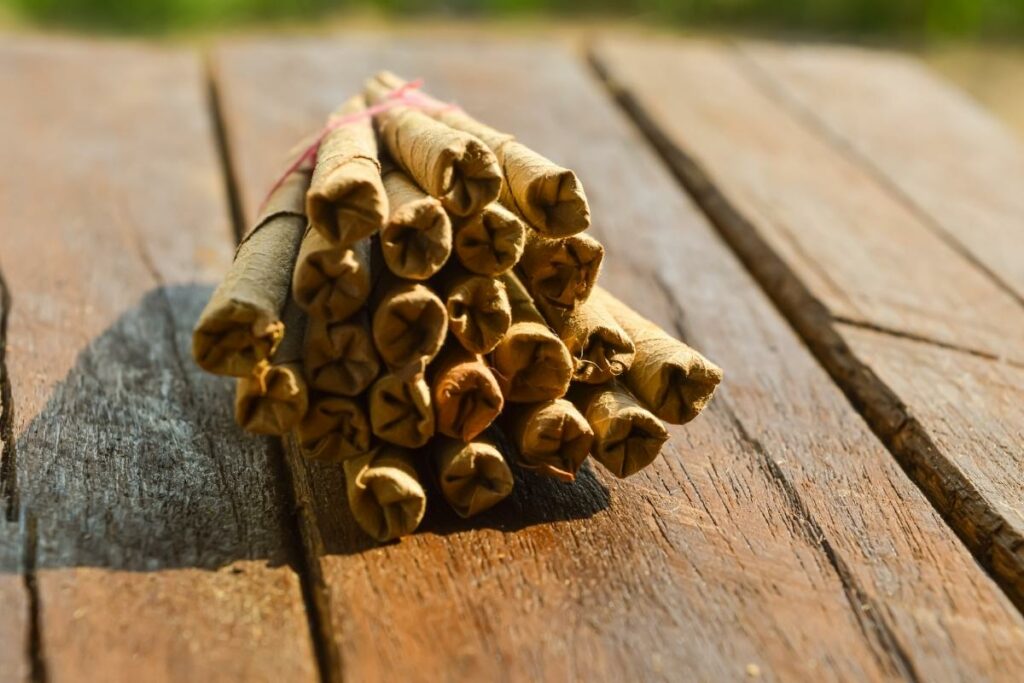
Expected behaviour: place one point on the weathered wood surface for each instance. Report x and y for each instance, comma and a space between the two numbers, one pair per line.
776, 535
959, 168
15, 616
817, 227
160, 532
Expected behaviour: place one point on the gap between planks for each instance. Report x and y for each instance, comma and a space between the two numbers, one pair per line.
307, 546
948, 489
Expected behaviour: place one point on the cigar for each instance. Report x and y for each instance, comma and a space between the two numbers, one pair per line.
409, 323
627, 436
241, 324
530, 362
666, 375
466, 395
331, 282
491, 242
334, 429
384, 492
600, 348
448, 164
552, 438
339, 357
346, 200
479, 312
417, 238
472, 476
550, 197
400, 410
275, 397
562, 272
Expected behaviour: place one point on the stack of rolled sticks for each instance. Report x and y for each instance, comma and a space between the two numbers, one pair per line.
419, 298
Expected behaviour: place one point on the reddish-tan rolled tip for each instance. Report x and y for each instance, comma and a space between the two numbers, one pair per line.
467, 399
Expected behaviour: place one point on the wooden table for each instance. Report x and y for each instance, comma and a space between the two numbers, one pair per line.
840, 231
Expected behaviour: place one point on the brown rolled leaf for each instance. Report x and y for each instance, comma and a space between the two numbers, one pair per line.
340, 358
275, 397
241, 324
561, 272
417, 238
627, 436
530, 362
472, 476
600, 348
552, 438
479, 313
491, 242
384, 491
346, 201
334, 429
400, 410
666, 375
453, 166
331, 282
409, 324
466, 395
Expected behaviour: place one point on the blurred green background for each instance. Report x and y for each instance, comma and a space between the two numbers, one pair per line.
908, 19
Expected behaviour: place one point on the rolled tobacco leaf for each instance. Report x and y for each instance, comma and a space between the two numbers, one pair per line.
346, 200
550, 197
466, 395
666, 375
400, 410
600, 348
627, 436
275, 397
472, 476
384, 492
331, 282
417, 238
530, 362
479, 312
490, 242
334, 429
339, 357
561, 272
409, 323
552, 438
453, 166
241, 324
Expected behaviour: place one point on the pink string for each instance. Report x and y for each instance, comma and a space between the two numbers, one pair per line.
407, 94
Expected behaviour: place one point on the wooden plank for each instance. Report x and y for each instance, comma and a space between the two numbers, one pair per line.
775, 536
861, 252
949, 159
161, 549
15, 618
965, 471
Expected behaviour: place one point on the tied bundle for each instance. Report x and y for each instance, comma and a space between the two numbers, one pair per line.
418, 303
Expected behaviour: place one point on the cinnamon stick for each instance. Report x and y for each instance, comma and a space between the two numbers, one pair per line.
530, 362
490, 242
472, 476
479, 312
552, 438
331, 282
466, 395
334, 429
400, 410
241, 324
417, 238
384, 492
600, 348
453, 166
561, 272
627, 436
346, 200
339, 357
669, 377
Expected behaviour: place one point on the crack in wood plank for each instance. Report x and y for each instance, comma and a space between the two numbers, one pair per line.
8, 454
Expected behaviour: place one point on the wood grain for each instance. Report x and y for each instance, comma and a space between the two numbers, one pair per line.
950, 160
161, 550
776, 534
15, 617
956, 437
